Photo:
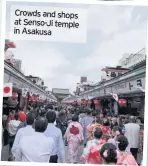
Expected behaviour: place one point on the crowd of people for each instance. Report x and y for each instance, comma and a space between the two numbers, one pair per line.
42, 133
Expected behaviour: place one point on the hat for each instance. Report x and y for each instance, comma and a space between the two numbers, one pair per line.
22, 116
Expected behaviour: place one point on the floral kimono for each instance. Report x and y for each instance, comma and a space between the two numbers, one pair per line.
106, 133
90, 129
126, 159
91, 154
74, 137
105, 130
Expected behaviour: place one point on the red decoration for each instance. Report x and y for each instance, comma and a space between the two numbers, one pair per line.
74, 130
96, 102
89, 102
122, 102
25, 98
31, 98
7, 89
14, 95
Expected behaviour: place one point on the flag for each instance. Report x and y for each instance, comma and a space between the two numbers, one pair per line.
24, 92
115, 96
7, 90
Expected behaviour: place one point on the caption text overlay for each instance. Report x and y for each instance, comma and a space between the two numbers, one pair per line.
48, 23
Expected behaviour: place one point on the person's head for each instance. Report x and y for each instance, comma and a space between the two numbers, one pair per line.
98, 120
50, 107
122, 142
30, 118
109, 154
105, 122
97, 133
116, 131
51, 116
16, 116
75, 118
22, 116
41, 124
94, 113
88, 111
132, 119
114, 120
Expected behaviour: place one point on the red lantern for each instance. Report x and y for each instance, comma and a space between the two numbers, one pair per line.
96, 102
14, 95
122, 102
31, 98
89, 102
25, 97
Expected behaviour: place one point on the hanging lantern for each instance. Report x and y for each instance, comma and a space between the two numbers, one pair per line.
25, 97
96, 102
122, 102
14, 95
31, 98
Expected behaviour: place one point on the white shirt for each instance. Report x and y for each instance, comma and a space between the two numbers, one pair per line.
13, 126
35, 148
132, 132
25, 131
56, 134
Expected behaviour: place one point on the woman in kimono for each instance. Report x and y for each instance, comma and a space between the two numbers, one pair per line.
108, 154
74, 137
91, 154
95, 124
125, 157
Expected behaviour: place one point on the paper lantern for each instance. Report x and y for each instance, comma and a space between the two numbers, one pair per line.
31, 98
122, 102
96, 102
25, 97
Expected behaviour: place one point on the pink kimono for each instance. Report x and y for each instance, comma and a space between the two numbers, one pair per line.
74, 137
126, 159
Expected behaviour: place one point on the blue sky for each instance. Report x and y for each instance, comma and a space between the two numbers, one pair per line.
111, 32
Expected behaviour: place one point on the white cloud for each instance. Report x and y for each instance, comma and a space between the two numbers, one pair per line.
108, 18
39, 60
66, 81
109, 52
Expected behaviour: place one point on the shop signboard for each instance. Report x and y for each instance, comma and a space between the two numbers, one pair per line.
129, 86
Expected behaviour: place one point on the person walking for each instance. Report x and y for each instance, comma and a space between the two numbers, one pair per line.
25, 131
132, 132
108, 153
124, 157
88, 119
12, 129
22, 119
56, 134
74, 138
91, 154
36, 147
